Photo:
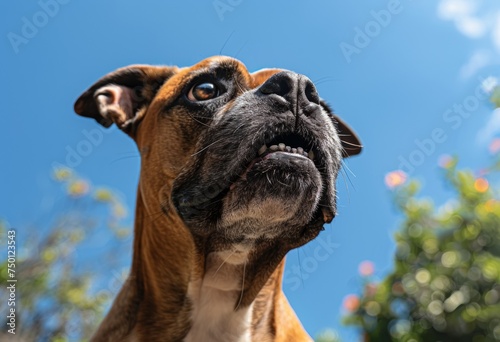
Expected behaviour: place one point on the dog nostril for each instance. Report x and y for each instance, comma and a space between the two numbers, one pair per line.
297, 90
269, 88
311, 93
281, 86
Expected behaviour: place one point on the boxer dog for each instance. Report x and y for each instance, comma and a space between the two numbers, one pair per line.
237, 169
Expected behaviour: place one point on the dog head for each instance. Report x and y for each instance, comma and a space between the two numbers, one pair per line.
242, 158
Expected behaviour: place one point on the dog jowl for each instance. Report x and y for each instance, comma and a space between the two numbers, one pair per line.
237, 169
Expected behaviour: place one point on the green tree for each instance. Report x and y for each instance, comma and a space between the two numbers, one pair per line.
55, 295
446, 282
445, 285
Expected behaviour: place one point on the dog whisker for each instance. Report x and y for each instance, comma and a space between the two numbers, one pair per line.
225, 42
223, 262
300, 268
204, 148
242, 285
129, 156
345, 166
325, 79
241, 48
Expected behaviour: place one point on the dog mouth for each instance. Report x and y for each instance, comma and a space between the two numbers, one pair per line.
288, 143
293, 159
284, 150
283, 147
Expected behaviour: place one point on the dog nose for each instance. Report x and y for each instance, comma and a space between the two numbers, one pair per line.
296, 89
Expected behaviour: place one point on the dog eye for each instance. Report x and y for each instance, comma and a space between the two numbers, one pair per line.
203, 91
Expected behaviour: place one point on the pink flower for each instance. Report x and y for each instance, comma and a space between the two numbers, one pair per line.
481, 185
495, 146
445, 161
366, 268
395, 178
351, 303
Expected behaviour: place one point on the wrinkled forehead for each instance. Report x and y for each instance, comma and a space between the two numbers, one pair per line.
217, 67
235, 68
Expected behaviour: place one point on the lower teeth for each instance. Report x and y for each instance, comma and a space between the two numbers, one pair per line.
284, 148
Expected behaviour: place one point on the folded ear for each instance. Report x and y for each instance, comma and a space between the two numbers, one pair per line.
351, 145
120, 96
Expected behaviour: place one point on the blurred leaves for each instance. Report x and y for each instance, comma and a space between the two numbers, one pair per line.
495, 97
446, 280
56, 292
328, 336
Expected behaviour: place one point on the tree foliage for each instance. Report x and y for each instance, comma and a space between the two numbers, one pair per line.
445, 285
446, 281
56, 299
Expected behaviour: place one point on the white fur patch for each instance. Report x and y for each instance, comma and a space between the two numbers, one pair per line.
214, 298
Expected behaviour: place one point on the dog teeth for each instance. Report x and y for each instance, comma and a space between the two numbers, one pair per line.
262, 149
284, 148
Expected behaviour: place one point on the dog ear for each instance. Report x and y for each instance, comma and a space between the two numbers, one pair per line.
119, 96
351, 145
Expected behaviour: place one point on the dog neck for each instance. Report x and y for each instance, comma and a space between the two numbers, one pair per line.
215, 317
176, 292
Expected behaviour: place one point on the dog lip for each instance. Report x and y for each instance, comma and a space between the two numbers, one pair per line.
282, 148
288, 155
303, 149
275, 155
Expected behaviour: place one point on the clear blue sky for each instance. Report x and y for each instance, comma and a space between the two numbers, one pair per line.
407, 72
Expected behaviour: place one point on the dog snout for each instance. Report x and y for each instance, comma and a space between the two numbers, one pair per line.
298, 90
